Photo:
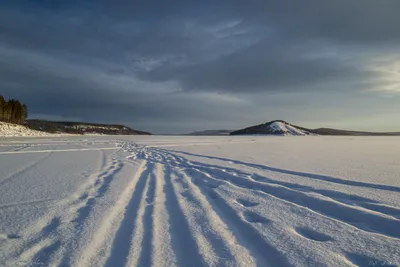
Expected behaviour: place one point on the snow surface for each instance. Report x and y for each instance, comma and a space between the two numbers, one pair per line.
286, 129
9, 129
15, 130
200, 201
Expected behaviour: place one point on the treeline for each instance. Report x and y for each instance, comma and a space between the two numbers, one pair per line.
13, 111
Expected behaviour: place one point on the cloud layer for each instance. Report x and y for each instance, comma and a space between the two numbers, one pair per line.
179, 66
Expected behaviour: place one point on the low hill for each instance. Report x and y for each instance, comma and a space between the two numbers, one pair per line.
211, 132
328, 131
81, 128
277, 127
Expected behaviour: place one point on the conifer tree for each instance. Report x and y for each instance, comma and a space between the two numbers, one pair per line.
2, 107
25, 111
13, 111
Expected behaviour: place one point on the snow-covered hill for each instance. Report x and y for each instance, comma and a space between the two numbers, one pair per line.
287, 129
9, 130
49, 128
82, 128
277, 127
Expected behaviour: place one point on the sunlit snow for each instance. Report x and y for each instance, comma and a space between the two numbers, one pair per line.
200, 201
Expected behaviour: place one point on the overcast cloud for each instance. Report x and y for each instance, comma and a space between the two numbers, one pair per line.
179, 66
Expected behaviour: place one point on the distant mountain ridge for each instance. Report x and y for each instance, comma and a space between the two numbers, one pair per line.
69, 127
211, 132
277, 127
280, 127
329, 131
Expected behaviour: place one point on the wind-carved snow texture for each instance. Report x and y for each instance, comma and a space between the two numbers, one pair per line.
170, 202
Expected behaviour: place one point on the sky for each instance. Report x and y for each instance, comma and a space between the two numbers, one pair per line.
179, 66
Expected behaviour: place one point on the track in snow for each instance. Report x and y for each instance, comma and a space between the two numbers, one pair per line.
172, 211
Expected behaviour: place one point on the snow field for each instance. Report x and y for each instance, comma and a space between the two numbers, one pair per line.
196, 201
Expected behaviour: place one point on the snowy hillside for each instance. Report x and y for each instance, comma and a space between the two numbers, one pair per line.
9, 129
71, 127
277, 127
286, 129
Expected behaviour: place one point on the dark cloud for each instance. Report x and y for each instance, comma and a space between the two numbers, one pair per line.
358, 20
257, 68
152, 63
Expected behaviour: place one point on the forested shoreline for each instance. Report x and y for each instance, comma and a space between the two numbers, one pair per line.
13, 111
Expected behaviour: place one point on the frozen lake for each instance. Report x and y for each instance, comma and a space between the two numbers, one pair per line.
200, 201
